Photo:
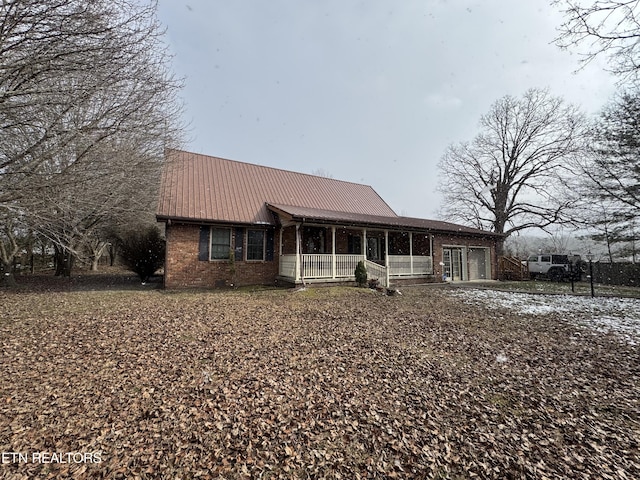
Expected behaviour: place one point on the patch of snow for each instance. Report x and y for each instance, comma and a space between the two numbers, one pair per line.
620, 316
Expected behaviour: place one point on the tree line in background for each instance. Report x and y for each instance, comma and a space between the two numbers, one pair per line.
87, 105
539, 162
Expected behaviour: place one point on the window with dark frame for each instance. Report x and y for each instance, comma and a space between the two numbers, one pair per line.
220, 243
354, 244
315, 240
255, 244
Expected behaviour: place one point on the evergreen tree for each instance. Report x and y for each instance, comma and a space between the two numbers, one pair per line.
361, 274
610, 175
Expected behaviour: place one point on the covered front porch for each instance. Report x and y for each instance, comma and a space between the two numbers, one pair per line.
320, 253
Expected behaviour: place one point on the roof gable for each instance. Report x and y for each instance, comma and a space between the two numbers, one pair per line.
205, 188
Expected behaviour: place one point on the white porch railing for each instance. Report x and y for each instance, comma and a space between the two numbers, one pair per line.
375, 270
400, 265
288, 266
346, 265
320, 265
317, 266
422, 265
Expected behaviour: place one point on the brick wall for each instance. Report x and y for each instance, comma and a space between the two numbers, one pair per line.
288, 240
440, 240
183, 269
342, 239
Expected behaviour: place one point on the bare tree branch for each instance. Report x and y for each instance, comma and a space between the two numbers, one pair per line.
608, 28
506, 179
87, 106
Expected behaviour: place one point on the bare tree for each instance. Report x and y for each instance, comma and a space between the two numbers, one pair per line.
87, 106
321, 172
9, 248
603, 27
110, 188
505, 179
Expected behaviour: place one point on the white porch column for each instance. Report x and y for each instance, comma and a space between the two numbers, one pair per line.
411, 250
298, 263
386, 255
465, 264
364, 246
433, 270
333, 251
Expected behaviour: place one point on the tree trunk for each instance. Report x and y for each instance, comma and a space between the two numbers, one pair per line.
500, 247
58, 260
8, 254
64, 261
608, 241
43, 252
7, 279
112, 254
97, 250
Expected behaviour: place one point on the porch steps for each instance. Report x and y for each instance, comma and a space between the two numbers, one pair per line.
375, 270
512, 268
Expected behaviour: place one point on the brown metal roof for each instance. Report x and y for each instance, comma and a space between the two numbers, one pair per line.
408, 223
203, 188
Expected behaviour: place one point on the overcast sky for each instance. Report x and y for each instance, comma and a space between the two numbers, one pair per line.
367, 91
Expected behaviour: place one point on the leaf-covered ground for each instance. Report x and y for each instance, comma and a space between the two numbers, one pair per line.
323, 383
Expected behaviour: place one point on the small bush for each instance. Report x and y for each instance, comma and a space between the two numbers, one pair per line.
361, 274
143, 252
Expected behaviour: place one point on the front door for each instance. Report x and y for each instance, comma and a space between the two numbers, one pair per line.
452, 259
375, 249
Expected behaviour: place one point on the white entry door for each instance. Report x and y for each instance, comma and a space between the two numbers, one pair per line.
452, 259
479, 265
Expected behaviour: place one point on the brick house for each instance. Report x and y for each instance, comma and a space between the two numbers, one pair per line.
234, 223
